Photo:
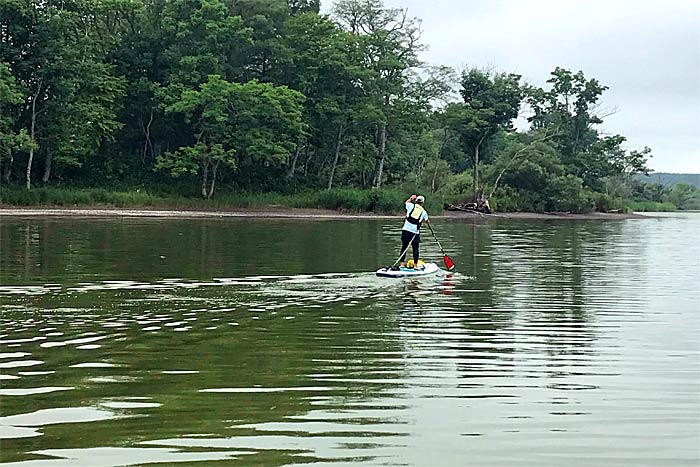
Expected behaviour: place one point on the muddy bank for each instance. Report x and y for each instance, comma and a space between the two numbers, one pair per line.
548, 215
274, 212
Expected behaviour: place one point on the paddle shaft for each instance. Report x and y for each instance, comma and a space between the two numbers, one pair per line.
436, 239
449, 264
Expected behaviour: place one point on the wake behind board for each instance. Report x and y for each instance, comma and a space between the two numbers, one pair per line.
428, 268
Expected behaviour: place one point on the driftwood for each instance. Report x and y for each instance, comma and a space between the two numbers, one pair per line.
467, 207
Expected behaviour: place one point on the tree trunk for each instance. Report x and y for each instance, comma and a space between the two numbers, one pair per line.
210, 192
432, 183
307, 159
475, 182
437, 160
47, 166
420, 169
381, 146
476, 166
147, 144
8, 167
309, 155
498, 179
205, 178
32, 134
293, 167
338, 145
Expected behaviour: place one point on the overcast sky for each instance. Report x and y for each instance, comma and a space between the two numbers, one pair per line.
647, 52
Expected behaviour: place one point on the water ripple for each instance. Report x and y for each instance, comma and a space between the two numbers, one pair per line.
565, 336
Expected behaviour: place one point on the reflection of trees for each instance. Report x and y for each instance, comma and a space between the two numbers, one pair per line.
483, 352
518, 309
344, 343
73, 250
527, 311
542, 277
456, 314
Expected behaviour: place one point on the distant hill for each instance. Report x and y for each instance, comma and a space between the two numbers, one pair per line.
669, 179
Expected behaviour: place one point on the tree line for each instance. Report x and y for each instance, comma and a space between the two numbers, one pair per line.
199, 96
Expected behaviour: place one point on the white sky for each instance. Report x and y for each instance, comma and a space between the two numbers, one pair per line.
647, 52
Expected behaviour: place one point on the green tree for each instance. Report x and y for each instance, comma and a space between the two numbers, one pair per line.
491, 101
389, 43
11, 139
304, 6
267, 53
325, 71
517, 150
232, 122
57, 53
684, 196
202, 38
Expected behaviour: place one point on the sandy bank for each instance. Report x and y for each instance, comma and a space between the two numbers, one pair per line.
274, 212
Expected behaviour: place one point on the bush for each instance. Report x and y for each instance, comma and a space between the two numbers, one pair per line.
347, 199
386, 201
650, 206
607, 203
684, 196
341, 198
505, 199
49, 196
566, 193
458, 188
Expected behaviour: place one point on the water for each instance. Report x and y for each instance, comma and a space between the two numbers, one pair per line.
269, 342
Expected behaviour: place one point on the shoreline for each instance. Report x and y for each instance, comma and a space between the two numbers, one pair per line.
279, 212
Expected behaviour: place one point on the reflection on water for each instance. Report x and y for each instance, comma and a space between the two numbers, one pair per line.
212, 342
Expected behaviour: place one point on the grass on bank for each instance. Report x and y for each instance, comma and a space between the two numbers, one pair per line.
342, 199
386, 201
651, 206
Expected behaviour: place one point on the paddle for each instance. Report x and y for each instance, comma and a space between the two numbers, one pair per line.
449, 264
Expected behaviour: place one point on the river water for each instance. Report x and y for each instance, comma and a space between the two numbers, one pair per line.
271, 342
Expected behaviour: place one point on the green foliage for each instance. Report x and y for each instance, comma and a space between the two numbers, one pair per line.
249, 96
350, 200
71, 88
11, 97
231, 122
650, 206
608, 203
648, 196
380, 201
567, 193
9, 90
45, 196
457, 187
387, 48
684, 196
506, 199
491, 102
567, 109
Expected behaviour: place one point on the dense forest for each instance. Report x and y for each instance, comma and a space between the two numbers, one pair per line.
208, 97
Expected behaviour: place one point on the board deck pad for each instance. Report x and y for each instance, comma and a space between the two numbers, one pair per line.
428, 268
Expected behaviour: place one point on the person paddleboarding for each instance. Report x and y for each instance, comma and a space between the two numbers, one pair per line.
410, 233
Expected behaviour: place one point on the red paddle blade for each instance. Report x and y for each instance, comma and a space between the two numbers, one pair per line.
449, 264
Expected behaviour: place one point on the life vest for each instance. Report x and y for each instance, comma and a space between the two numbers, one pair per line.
414, 216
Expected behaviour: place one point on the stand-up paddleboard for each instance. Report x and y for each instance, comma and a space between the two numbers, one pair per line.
428, 268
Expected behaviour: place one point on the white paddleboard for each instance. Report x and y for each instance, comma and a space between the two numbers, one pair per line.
428, 268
